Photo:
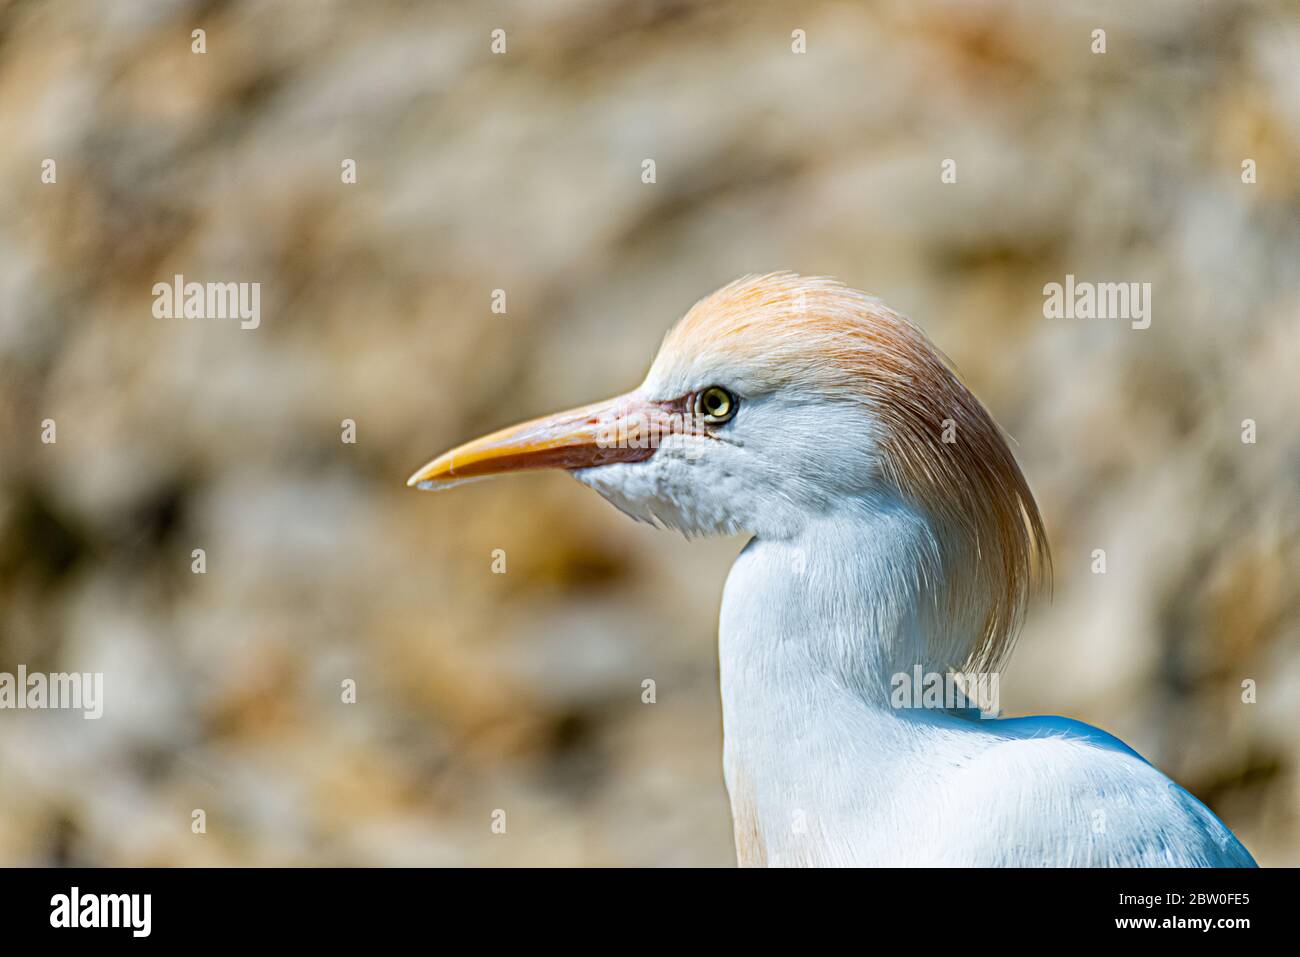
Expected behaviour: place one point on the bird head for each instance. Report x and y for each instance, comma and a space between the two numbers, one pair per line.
780, 399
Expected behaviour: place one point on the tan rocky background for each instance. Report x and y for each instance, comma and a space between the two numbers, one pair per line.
522, 691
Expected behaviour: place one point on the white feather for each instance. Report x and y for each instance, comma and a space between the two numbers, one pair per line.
811, 628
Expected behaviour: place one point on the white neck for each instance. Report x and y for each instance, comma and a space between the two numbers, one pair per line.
812, 629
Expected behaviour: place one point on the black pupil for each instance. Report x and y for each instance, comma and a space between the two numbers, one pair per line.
714, 401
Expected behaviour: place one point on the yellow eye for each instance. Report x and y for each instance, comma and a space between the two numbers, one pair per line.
716, 404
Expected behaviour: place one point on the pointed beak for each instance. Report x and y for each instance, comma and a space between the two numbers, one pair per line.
624, 429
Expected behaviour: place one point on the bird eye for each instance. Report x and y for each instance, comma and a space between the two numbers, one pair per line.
716, 404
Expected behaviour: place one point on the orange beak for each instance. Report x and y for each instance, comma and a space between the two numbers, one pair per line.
624, 429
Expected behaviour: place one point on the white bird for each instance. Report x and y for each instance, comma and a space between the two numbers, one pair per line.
891, 530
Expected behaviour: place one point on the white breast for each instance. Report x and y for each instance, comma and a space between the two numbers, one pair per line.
822, 771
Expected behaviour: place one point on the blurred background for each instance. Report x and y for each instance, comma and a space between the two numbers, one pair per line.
521, 171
